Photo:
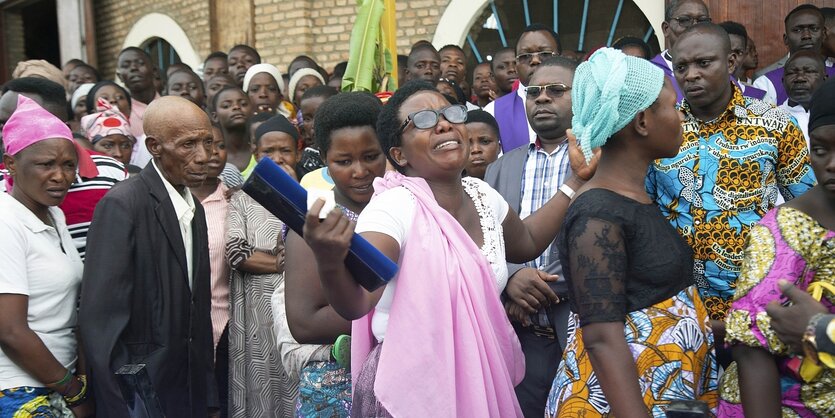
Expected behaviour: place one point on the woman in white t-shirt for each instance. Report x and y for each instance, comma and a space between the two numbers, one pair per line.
435, 341
40, 368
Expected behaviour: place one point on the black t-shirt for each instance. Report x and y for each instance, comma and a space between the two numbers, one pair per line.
620, 256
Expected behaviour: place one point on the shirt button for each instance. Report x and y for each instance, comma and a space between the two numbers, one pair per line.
701, 147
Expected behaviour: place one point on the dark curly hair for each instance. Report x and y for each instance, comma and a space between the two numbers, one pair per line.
388, 125
343, 111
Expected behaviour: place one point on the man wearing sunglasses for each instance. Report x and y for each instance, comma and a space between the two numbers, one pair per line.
678, 16
536, 43
527, 177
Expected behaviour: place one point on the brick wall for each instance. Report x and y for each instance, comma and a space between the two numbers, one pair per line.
13, 39
115, 18
283, 28
322, 28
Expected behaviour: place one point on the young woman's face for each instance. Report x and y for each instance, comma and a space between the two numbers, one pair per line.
308, 108
233, 109
354, 160
279, 147
187, 86
116, 97
484, 148
305, 83
822, 156
264, 93
117, 146
218, 158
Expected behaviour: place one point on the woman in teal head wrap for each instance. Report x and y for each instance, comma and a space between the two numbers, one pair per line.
639, 335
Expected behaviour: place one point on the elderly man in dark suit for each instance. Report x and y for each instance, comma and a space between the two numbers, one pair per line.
527, 177
146, 294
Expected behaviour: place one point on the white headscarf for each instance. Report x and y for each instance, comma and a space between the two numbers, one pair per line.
298, 75
264, 68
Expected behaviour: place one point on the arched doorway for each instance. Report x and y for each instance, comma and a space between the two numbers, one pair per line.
483, 26
164, 40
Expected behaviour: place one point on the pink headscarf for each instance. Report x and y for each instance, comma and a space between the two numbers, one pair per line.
30, 124
109, 121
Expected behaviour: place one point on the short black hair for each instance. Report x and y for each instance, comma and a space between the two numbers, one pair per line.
558, 61
388, 123
420, 46
189, 72
459, 97
249, 49
75, 61
480, 116
709, 28
137, 50
309, 60
633, 41
735, 28
815, 55
90, 101
50, 91
343, 111
339, 69
451, 46
402, 60
223, 90
512, 51
324, 90
801, 8
539, 27
828, 15
216, 54
673, 5
90, 68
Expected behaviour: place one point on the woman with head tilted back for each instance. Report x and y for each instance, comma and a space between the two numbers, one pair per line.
793, 242
434, 341
41, 370
639, 335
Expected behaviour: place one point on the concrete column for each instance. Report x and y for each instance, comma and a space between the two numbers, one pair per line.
71, 29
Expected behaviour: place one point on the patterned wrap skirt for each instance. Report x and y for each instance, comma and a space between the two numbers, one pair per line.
26, 402
672, 344
324, 391
365, 403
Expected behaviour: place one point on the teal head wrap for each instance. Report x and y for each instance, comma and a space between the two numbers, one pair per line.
609, 90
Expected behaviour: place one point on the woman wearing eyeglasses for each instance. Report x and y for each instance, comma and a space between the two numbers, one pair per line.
435, 341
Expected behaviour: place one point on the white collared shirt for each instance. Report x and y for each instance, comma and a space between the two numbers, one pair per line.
184, 209
40, 262
802, 116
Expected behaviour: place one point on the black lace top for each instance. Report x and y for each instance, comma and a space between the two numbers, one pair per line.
620, 256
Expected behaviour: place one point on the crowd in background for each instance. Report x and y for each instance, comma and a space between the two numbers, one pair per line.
607, 233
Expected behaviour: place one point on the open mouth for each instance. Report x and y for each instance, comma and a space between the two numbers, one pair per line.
452, 143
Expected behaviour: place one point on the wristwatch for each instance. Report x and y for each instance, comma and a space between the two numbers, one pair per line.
567, 190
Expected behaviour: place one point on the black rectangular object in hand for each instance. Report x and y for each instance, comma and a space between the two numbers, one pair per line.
285, 198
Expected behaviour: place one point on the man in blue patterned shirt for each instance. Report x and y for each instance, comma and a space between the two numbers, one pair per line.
736, 155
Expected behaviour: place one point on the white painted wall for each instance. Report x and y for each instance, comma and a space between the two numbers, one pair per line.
71, 29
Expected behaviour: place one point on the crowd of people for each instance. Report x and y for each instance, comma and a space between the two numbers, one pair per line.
600, 234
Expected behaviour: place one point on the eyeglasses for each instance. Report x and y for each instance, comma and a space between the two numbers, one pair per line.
688, 21
428, 118
528, 57
554, 91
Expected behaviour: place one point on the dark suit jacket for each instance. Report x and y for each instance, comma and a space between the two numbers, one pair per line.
136, 304
505, 175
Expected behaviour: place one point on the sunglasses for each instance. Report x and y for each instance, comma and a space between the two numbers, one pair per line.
528, 57
687, 21
554, 91
428, 118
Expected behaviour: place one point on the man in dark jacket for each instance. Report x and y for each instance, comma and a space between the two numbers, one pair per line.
146, 294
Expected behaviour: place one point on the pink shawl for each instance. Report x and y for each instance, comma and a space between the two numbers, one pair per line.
450, 350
